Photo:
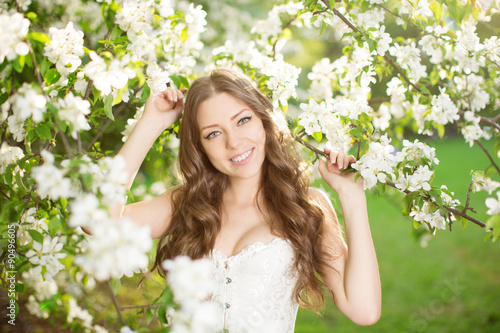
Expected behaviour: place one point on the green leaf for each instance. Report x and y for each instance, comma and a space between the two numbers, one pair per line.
494, 224
323, 28
318, 136
176, 80
440, 129
8, 174
39, 37
162, 314
36, 236
43, 132
52, 76
437, 10
184, 81
108, 103
416, 224
18, 64
146, 91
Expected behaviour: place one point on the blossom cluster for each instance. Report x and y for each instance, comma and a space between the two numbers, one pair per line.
192, 285
13, 29
65, 48
26, 103
116, 248
320, 118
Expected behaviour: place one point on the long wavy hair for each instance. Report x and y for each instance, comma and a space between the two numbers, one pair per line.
284, 187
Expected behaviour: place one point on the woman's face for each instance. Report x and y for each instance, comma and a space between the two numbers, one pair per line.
232, 136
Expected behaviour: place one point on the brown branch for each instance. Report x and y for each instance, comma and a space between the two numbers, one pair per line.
115, 303
487, 154
64, 138
492, 121
35, 65
400, 71
147, 306
450, 209
89, 89
468, 197
465, 216
103, 127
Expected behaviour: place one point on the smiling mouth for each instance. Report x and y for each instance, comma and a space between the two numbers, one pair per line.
242, 157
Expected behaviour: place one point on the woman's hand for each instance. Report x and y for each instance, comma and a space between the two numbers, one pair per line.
165, 108
331, 171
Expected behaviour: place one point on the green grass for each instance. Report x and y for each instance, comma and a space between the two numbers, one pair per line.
452, 285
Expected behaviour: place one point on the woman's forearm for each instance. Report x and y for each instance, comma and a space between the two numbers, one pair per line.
362, 278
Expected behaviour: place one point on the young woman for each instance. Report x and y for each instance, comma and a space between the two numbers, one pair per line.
245, 203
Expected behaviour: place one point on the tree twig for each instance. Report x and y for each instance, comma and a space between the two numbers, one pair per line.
468, 197
65, 141
35, 65
450, 209
104, 126
147, 306
487, 154
115, 303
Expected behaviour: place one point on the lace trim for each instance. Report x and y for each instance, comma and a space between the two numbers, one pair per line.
247, 251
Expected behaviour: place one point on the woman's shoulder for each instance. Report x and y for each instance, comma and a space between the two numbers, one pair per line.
319, 195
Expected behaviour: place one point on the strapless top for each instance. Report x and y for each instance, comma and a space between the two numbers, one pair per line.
254, 288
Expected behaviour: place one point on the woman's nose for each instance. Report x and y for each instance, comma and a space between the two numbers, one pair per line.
232, 139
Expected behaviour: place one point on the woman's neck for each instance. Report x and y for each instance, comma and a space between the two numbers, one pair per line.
241, 192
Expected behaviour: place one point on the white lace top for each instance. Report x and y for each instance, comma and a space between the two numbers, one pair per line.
255, 288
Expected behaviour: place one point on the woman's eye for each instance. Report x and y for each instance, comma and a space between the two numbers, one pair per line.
212, 135
244, 120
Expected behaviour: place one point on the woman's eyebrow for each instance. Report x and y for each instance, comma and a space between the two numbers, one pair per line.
232, 118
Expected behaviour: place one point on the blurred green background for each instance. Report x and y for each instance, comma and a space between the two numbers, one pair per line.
451, 285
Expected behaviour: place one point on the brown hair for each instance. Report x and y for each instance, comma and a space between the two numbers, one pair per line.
293, 214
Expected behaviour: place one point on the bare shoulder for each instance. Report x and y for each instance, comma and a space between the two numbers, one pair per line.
320, 197
155, 213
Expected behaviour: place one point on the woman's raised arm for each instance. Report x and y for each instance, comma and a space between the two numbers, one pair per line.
354, 278
160, 113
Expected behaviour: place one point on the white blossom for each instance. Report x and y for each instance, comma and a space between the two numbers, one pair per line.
131, 122
189, 279
51, 181
157, 79
116, 248
198, 318
493, 205
27, 102
383, 40
85, 211
322, 76
13, 29
109, 178
35, 309
47, 254
416, 151
65, 48
135, 16
108, 77
76, 312
426, 213
377, 163
282, 82
443, 110
72, 110
420, 179
30, 221
9, 155
347, 107
483, 183
45, 289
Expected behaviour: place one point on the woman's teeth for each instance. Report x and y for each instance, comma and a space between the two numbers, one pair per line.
241, 157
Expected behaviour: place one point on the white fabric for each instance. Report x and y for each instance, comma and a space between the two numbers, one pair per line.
255, 288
